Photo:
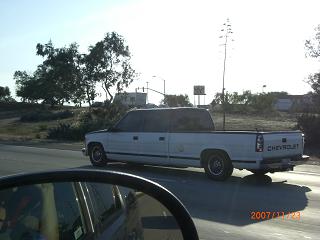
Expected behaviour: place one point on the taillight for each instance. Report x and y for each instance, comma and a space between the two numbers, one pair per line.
303, 141
259, 143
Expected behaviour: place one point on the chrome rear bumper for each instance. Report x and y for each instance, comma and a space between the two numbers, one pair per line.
283, 164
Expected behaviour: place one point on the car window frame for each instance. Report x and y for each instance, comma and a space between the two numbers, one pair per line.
97, 223
79, 199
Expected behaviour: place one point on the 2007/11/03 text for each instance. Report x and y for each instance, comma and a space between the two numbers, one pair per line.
262, 215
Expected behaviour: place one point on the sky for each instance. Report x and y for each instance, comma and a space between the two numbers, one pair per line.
174, 40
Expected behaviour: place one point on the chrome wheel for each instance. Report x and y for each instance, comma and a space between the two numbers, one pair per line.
216, 165
96, 154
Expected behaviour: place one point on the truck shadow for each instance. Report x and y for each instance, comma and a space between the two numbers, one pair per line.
235, 201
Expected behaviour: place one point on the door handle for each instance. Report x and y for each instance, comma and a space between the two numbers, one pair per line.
135, 138
161, 138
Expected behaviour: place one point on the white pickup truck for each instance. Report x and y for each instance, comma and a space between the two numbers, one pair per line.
186, 137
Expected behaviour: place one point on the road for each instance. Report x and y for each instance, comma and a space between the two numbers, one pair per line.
221, 210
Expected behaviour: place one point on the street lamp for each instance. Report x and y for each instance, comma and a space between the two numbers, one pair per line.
164, 84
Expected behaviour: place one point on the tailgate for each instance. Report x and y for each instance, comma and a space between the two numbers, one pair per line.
282, 144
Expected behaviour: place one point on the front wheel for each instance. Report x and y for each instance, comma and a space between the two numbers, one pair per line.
97, 155
218, 166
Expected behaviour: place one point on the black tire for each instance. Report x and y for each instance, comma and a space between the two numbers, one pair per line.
218, 166
259, 172
97, 155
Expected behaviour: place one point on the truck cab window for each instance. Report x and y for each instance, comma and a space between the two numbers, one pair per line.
192, 121
156, 121
132, 122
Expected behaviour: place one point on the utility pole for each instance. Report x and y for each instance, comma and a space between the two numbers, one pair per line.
226, 32
147, 92
164, 85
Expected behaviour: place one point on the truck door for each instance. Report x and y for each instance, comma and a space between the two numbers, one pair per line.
154, 136
124, 140
186, 140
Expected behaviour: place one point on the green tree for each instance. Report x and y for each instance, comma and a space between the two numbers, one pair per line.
176, 101
60, 74
87, 68
263, 103
246, 102
312, 47
57, 80
109, 60
279, 94
5, 94
27, 87
65, 75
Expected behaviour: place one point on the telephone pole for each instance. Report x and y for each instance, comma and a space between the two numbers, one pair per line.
226, 35
147, 92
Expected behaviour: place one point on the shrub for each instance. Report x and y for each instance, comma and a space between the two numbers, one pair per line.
309, 124
99, 118
60, 132
38, 116
10, 106
43, 127
76, 131
62, 114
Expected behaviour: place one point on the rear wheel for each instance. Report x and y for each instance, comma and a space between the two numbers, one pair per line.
259, 172
218, 166
97, 155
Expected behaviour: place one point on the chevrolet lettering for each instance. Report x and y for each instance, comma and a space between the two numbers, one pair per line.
282, 147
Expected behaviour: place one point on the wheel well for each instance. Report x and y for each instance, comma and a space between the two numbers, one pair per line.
92, 144
205, 153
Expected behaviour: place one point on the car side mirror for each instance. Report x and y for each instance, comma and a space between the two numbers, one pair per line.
79, 203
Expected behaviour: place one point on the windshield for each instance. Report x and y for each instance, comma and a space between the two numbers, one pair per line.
239, 165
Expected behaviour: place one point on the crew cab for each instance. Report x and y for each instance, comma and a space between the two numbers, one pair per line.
186, 137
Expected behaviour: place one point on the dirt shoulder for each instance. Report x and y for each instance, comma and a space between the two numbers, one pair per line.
43, 143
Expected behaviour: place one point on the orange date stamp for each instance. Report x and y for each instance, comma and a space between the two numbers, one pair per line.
264, 215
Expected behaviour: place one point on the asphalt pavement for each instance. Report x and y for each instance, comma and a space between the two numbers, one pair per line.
221, 210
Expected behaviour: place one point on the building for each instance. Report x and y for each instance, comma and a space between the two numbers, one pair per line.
283, 104
293, 102
136, 99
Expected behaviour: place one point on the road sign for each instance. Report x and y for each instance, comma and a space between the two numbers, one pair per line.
198, 90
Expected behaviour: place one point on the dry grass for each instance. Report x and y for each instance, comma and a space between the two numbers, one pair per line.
11, 128
281, 121
16, 129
